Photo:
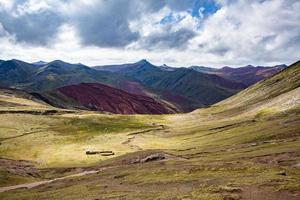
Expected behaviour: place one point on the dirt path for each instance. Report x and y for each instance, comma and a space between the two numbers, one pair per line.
134, 134
17, 136
160, 127
35, 184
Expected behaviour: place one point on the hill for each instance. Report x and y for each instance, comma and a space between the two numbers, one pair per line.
99, 97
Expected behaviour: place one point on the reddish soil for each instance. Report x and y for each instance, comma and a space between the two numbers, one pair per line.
99, 97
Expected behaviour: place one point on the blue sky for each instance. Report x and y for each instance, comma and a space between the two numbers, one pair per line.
176, 32
207, 8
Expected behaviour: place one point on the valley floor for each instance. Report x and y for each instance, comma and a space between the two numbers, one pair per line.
196, 156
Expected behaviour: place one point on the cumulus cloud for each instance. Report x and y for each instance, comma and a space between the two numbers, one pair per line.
253, 30
105, 24
189, 32
167, 39
30, 21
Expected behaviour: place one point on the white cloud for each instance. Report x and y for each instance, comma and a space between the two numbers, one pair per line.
239, 33
256, 32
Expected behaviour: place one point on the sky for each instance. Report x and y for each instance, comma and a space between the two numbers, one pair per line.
178, 33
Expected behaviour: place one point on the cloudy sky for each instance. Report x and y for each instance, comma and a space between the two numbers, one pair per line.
176, 32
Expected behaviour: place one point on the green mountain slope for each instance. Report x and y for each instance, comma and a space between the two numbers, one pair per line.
15, 72
183, 85
50, 76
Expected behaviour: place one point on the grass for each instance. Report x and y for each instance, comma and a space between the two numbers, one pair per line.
247, 141
61, 141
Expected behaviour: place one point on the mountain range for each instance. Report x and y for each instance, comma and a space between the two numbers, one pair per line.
171, 89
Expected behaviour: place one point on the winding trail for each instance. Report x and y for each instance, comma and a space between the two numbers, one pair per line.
35, 184
159, 128
17, 136
134, 134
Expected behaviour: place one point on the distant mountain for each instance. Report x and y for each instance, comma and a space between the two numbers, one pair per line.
18, 74
120, 68
247, 75
15, 72
99, 97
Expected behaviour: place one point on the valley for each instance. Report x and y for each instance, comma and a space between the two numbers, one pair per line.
244, 147
149, 100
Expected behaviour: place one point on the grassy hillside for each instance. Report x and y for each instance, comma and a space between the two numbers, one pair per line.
183, 87
246, 147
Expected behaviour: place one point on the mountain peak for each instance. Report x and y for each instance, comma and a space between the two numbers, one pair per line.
57, 62
143, 61
249, 66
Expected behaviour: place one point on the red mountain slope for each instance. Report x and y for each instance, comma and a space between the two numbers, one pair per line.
99, 97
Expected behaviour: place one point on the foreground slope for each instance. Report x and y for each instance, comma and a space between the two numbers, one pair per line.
246, 147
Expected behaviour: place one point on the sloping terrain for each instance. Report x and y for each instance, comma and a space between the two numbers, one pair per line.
99, 97
15, 72
247, 75
246, 147
182, 87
